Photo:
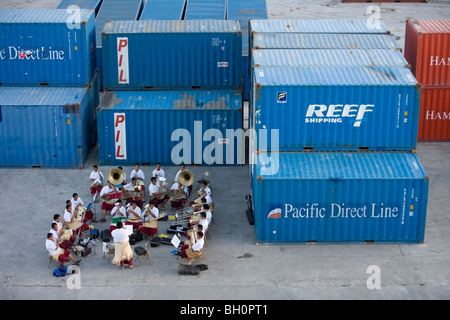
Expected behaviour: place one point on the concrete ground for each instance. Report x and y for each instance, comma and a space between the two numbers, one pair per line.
238, 268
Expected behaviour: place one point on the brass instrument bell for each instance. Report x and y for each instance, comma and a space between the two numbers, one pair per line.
186, 178
116, 176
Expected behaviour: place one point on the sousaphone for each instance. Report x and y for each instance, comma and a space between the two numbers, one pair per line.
116, 177
186, 178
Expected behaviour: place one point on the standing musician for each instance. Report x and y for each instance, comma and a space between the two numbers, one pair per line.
96, 179
118, 211
139, 175
131, 192
134, 216
122, 250
156, 196
108, 202
150, 214
77, 203
158, 172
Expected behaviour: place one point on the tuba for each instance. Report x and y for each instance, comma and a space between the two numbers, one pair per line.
186, 178
116, 177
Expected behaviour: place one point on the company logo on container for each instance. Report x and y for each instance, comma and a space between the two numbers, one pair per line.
41, 53
281, 97
439, 61
335, 113
122, 60
274, 213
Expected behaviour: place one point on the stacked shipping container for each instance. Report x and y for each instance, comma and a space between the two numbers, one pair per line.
170, 81
49, 87
334, 130
427, 49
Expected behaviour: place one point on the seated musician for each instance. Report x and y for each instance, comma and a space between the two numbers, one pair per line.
158, 198
183, 167
73, 221
151, 213
140, 177
96, 174
194, 250
108, 203
180, 193
66, 243
56, 252
134, 216
122, 249
77, 203
131, 192
124, 182
158, 172
117, 212
203, 221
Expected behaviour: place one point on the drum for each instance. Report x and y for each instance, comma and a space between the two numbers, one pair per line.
97, 182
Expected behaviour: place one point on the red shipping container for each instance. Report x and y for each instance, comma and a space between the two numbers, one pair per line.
434, 121
427, 49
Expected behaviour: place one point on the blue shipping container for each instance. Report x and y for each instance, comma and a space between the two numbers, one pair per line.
323, 41
46, 126
205, 9
340, 197
170, 127
82, 4
113, 10
335, 108
169, 54
163, 10
47, 47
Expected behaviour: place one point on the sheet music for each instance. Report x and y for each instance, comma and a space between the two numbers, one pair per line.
175, 241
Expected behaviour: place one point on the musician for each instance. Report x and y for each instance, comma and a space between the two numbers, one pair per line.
134, 216
117, 212
76, 203
57, 220
139, 175
194, 250
107, 204
65, 244
70, 217
151, 213
153, 190
158, 172
56, 252
203, 221
136, 194
122, 250
124, 182
183, 167
96, 174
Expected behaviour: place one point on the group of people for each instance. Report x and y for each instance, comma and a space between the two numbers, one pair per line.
125, 202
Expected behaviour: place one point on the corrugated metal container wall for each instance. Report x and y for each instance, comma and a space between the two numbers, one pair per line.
38, 47
172, 54
45, 126
205, 9
163, 10
244, 10
327, 57
427, 49
336, 108
113, 10
340, 197
82, 4
434, 122
137, 126
323, 41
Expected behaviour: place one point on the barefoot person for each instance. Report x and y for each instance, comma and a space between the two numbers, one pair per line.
123, 252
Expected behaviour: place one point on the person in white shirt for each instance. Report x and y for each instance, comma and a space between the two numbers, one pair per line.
71, 219
96, 174
56, 252
208, 213
140, 177
130, 193
76, 203
153, 191
124, 182
118, 211
158, 172
194, 250
65, 244
151, 213
182, 167
134, 216
108, 203
122, 250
